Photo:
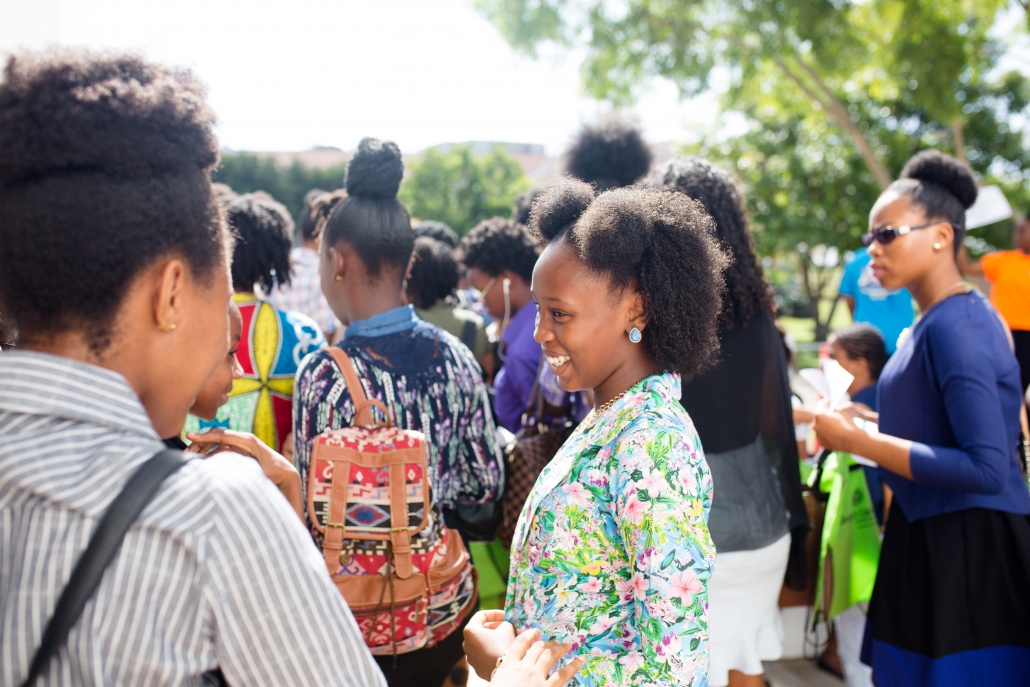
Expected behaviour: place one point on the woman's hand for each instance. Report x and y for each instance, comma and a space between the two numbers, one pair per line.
837, 432
528, 662
487, 636
276, 468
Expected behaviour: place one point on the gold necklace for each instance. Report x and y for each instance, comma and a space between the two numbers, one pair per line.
942, 293
608, 404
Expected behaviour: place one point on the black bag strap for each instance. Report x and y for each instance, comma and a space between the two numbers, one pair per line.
468, 334
101, 550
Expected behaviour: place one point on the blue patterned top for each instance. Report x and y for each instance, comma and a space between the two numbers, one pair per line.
429, 381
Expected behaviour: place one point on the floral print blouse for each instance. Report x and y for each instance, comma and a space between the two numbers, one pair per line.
612, 552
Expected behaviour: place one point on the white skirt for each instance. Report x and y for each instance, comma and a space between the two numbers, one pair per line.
744, 625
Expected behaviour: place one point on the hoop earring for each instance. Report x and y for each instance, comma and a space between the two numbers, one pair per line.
635, 336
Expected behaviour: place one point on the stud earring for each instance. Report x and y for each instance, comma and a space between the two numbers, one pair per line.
338, 278
169, 328
635, 336
937, 246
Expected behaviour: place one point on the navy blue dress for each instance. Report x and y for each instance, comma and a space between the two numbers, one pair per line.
951, 605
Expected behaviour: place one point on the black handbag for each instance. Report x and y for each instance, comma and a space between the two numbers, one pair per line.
101, 550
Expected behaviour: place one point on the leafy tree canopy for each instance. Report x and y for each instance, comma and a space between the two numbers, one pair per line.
460, 188
246, 173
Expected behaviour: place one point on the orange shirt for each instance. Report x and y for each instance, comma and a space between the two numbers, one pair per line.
1009, 274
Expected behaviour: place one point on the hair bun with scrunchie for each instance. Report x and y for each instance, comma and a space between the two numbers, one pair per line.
376, 169
950, 174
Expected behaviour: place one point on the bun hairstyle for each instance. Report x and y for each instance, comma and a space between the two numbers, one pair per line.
104, 169
747, 292
608, 155
658, 242
941, 185
558, 208
366, 213
264, 237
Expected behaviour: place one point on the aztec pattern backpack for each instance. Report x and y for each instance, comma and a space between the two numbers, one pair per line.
407, 578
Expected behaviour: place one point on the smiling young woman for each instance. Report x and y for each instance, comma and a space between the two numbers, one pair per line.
951, 605
612, 552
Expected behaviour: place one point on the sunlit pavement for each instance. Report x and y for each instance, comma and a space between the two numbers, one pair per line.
778, 673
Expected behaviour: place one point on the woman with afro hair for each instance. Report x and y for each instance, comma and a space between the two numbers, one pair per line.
114, 267
742, 410
951, 603
612, 553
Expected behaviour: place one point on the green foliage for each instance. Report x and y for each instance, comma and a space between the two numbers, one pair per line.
460, 188
245, 173
838, 94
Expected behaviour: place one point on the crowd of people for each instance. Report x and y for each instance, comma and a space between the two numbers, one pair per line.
152, 316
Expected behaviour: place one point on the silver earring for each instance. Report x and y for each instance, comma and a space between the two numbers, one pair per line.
635, 336
937, 246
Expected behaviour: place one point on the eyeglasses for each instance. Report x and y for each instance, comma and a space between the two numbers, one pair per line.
885, 235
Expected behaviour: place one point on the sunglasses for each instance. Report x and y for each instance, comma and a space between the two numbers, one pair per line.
885, 235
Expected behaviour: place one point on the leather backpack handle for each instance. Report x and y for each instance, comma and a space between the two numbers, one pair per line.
362, 403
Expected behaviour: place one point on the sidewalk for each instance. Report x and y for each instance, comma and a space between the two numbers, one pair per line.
778, 673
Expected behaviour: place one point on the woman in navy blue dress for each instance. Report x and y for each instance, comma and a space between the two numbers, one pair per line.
951, 605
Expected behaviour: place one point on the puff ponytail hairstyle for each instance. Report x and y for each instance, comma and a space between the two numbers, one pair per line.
366, 213
658, 242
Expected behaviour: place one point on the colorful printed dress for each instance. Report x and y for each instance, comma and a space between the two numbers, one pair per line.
273, 344
612, 551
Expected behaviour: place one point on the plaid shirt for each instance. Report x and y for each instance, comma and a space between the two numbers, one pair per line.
304, 292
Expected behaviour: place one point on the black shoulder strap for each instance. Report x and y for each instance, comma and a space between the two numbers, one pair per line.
468, 334
99, 553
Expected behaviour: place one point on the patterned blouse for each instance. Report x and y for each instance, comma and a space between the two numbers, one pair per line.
612, 551
272, 345
430, 383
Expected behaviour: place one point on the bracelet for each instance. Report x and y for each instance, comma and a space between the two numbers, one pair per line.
497, 666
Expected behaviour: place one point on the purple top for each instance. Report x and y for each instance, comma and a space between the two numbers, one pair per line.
514, 382
953, 389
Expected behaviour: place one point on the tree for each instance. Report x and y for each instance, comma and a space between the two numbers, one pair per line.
819, 48
837, 96
461, 189
246, 173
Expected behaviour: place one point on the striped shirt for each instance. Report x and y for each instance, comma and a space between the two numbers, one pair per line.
217, 572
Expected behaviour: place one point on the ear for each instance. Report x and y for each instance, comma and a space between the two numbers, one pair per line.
636, 312
170, 295
338, 260
944, 234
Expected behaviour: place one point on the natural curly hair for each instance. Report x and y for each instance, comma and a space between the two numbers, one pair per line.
104, 169
610, 154
264, 236
366, 213
747, 293
497, 244
658, 242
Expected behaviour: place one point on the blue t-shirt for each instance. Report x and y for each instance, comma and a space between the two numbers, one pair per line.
889, 311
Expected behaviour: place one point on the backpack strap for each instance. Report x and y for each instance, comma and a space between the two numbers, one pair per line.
362, 404
101, 550
468, 334
400, 534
